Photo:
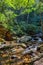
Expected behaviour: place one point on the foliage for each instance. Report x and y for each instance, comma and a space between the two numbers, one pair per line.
14, 13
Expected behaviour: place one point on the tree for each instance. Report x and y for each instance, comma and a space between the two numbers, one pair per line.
6, 16
22, 6
10, 9
39, 10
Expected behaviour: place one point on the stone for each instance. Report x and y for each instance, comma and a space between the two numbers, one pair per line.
24, 39
39, 62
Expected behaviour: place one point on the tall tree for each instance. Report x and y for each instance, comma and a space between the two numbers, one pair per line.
39, 10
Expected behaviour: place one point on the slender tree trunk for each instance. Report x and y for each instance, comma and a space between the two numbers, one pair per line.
42, 26
27, 17
41, 23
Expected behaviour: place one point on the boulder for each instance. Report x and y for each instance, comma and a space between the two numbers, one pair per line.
24, 39
37, 39
38, 35
39, 62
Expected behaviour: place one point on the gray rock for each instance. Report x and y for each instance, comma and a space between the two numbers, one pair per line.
24, 39
37, 39
39, 62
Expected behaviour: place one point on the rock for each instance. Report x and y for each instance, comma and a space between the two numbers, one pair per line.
24, 39
38, 35
39, 62
23, 45
37, 39
32, 40
26, 51
14, 57
2, 40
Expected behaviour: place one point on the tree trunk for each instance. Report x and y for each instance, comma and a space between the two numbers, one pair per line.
42, 26
27, 17
41, 23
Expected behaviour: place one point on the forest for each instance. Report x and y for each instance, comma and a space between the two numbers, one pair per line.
21, 28
22, 17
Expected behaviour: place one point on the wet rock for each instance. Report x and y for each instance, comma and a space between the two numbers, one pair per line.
32, 40
40, 40
38, 35
37, 39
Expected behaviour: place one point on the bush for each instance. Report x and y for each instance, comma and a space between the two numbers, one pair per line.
23, 28
29, 28
32, 29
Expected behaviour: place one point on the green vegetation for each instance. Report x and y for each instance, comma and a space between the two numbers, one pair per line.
22, 16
